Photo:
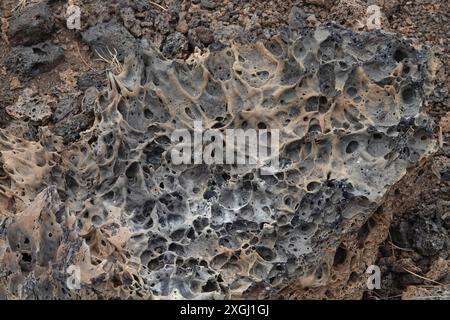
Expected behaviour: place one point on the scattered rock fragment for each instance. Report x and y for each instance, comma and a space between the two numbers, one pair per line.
351, 13
428, 238
91, 78
173, 44
109, 36
427, 293
31, 106
31, 25
182, 26
296, 18
317, 2
32, 61
227, 33
131, 23
201, 36
63, 108
162, 23
209, 4
311, 20
89, 100
70, 127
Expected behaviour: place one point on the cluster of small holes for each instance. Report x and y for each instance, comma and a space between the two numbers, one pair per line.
202, 229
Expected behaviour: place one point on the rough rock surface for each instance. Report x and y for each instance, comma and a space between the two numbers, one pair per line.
133, 224
109, 36
31, 106
32, 25
409, 231
34, 60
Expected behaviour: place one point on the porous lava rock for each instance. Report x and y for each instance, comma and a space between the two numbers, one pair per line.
113, 211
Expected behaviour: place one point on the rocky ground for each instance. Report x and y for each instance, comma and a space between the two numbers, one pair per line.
55, 72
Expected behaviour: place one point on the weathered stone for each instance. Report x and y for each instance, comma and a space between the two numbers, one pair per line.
108, 37
31, 25
28, 62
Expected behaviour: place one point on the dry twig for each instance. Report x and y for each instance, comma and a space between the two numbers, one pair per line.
158, 5
111, 59
20, 5
421, 277
82, 59
400, 248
